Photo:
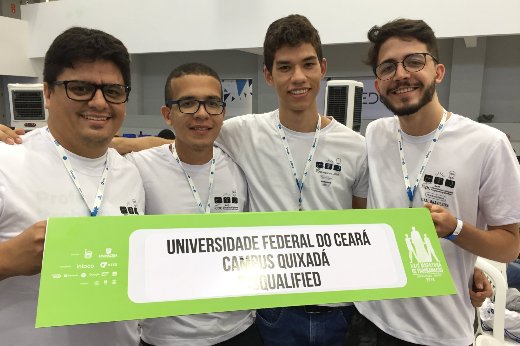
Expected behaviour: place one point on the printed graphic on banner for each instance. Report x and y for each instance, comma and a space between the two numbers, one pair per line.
119, 268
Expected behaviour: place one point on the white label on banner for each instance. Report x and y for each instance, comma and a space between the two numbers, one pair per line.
195, 263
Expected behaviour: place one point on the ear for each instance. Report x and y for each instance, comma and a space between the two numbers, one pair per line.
224, 113
440, 70
47, 94
376, 85
323, 67
268, 77
165, 112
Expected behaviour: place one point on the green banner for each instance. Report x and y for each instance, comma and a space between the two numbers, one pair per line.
117, 268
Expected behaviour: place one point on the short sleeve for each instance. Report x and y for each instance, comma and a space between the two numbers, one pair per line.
360, 187
499, 194
230, 137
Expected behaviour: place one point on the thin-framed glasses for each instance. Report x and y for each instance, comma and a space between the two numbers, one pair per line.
188, 106
411, 63
84, 91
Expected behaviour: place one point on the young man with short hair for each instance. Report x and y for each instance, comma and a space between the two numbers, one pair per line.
295, 159
65, 169
191, 176
464, 172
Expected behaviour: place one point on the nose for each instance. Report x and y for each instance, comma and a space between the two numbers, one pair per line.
201, 112
298, 75
98, 101
400, 72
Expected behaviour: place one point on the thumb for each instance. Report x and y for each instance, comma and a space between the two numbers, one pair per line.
429, 206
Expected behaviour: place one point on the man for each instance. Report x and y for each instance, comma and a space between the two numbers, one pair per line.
190, 176
465, 172
265, 145
65, 169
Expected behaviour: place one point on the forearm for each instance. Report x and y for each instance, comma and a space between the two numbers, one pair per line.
126, 145
5, 261
498, 243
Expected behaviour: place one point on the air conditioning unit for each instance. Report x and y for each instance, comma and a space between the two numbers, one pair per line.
27, 105
343, 101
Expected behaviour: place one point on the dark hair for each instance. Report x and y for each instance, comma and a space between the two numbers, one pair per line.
192, 68
406, 29
166, 134
291, 31
84, 45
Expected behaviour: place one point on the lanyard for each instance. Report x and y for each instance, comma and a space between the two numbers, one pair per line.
291, 160
70, 170
192, 184
409, 191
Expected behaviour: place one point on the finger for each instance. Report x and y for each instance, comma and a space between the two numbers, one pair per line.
19, 131
6, 133
429, 206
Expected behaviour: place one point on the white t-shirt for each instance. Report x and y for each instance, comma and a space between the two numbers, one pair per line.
474, 174
168, 192
35, 185
337, 172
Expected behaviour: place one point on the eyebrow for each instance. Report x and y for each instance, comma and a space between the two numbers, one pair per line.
286, 62
208, 97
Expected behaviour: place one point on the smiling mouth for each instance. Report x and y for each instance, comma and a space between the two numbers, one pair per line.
89, 117
199, 128
298, 92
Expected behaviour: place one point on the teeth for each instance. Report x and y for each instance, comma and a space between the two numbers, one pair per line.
297, 92
94, 118
201, 128
400, 91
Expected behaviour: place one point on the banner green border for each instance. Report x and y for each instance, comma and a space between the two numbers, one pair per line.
67, 303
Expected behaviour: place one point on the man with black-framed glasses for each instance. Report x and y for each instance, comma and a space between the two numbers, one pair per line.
191, 176
465, 173
65, 170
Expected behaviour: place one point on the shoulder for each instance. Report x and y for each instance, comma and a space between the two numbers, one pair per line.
342, 134
249, 120
148, 155
381, 126
32, 142
463, 126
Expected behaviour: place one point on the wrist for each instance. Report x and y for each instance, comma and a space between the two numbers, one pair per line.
456, 231
6, 267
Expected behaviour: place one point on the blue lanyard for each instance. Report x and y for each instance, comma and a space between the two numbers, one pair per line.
70, 170
290, 157
192, 184
409, 191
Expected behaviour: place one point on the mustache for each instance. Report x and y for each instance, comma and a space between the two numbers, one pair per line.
404, 84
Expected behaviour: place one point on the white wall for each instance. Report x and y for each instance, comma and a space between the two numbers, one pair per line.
179, 25
14, 44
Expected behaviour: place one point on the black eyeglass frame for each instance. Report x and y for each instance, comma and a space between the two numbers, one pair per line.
177, 102
96, 87
404, 66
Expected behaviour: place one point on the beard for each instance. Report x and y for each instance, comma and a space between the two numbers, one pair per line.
410, 108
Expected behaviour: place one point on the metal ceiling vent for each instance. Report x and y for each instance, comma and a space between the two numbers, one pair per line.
344, 101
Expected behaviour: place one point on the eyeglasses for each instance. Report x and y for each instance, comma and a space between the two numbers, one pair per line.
411, 63
213, 107
84, 91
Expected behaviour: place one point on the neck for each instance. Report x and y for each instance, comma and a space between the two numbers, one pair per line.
78, 146
193, 156
424, 121
302, 121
